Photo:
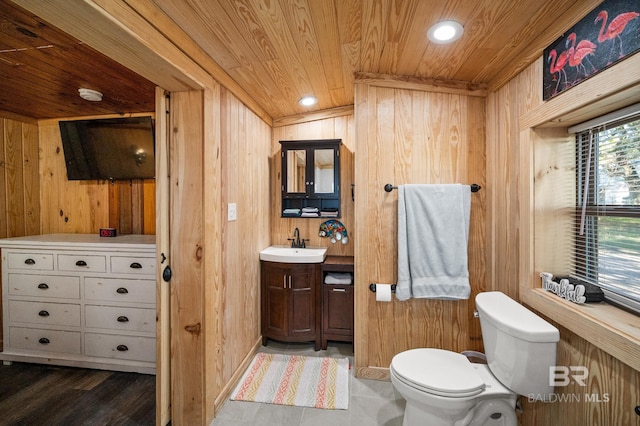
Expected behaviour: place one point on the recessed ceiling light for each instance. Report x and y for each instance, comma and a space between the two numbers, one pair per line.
308, 101
445, 32
90, 95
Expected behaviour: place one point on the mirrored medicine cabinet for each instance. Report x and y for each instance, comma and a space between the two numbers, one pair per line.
311, 178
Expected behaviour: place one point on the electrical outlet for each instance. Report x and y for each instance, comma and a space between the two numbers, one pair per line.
231, 212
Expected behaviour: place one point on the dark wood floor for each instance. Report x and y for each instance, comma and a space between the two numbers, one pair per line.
33, 395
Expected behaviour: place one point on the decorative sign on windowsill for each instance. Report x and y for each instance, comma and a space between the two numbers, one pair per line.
563, 288
571, 288
608, 34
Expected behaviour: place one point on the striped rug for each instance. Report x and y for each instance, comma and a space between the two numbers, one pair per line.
296, 380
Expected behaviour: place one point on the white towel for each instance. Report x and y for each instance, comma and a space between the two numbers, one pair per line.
338, 278
433, 235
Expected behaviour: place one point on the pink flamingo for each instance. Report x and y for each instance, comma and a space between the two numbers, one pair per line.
615, 28
557, 66
579, 53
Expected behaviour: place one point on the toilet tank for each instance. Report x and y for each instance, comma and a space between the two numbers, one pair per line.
519, 345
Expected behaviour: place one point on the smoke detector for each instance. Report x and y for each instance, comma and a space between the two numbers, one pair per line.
90, 95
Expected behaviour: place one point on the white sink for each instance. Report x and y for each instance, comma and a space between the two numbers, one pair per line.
286, 254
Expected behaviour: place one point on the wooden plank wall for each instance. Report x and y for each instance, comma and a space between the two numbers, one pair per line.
19, 181
607, 376
412, 136
215, 300
340, 127
83, 207
244, 152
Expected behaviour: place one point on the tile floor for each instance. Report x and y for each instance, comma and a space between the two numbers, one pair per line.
371, 403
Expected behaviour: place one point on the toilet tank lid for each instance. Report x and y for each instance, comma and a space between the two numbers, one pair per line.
514, 319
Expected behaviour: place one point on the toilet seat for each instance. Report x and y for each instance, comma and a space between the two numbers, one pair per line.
438, 372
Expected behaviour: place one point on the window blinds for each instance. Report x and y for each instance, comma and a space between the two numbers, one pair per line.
607, 225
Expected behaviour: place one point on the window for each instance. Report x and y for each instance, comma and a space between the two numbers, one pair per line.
607, 251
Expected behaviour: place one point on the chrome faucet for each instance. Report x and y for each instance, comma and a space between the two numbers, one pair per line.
296, 242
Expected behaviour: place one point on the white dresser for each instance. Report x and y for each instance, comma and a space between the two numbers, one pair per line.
80, 300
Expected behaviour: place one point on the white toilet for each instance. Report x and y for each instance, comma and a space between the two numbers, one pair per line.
444, 388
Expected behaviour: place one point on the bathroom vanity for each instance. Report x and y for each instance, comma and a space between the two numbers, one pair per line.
296, 305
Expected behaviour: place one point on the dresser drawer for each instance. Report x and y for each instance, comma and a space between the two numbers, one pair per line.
30, 261
120, 318
133, 265
44, 313
45, 286
82, 263
34, 339
120, 290
121, 347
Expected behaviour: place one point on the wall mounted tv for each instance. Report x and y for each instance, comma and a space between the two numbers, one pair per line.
109, 149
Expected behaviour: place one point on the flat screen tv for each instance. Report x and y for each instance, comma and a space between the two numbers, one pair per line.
109, 149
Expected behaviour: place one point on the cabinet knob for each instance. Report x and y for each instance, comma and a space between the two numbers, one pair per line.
135, 265
43, 341
122, 290
43, 286
122, 318
29, 261
122, 348
81, 263
43, 314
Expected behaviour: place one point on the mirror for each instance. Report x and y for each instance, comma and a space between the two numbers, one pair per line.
323, 171
296, 169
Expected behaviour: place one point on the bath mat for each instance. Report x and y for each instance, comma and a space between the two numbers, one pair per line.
296, 380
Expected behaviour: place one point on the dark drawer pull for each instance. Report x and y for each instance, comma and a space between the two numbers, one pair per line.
81, 263
122, 290
30, 261
135, 265
340, 290
122, 348
43, 313
43, 286
123, 319
44, 341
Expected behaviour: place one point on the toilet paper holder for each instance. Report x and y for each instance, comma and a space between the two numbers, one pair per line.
372, 287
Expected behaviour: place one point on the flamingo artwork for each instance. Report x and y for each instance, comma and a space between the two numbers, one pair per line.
615, 28
578, 54
609, 33
557, 66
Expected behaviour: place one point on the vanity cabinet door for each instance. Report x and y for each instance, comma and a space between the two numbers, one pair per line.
302, 302
274, 301
337, 315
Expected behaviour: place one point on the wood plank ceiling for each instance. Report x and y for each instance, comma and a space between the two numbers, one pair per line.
281, 50
42, 68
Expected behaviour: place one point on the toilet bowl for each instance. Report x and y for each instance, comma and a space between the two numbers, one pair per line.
443, 388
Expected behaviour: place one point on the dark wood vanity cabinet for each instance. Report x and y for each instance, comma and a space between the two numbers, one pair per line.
290, 302
337, 302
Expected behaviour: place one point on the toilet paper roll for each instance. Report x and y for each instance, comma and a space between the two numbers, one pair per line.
383, 292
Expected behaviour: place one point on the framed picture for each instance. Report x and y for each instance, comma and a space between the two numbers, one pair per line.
608, 34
